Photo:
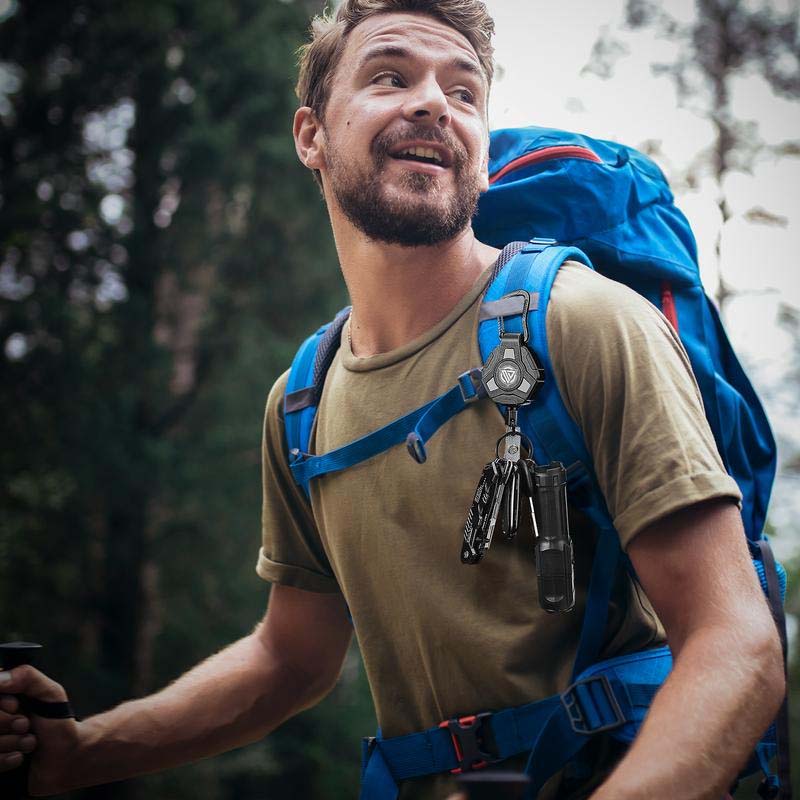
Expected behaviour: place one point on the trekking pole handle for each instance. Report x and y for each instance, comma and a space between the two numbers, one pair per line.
14, 784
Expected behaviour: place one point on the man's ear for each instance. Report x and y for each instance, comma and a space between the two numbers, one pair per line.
308, 137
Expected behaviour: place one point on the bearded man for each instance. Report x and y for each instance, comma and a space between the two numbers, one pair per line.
393, 123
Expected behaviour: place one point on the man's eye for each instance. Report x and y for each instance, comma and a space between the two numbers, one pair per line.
389, 79
464, 95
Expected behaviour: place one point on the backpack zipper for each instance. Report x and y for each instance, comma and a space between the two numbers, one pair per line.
547, 154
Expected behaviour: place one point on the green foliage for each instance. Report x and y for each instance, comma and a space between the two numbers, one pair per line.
162, 255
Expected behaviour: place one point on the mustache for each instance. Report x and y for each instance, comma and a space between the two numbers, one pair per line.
384, 142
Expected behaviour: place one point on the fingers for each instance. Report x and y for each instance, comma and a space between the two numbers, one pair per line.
23, 744
13, 749
9, 703
13, 724
28, 680
10, 761
14, 737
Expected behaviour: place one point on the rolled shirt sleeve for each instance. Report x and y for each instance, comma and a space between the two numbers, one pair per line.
627, 382
291, 552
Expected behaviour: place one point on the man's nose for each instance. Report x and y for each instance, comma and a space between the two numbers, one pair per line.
427, 103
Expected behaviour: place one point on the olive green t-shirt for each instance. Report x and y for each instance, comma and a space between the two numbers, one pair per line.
440, 639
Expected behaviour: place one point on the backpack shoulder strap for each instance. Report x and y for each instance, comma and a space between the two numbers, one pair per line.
546, 422
306, 379
553, 433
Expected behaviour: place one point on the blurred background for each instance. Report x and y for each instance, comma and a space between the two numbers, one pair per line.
162, 254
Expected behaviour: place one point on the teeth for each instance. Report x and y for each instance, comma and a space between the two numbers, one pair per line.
421, 152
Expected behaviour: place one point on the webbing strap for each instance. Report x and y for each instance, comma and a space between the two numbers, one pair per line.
506, 254
299, 399
328, 346
604, 569
377, 781
507, 307
520, 272
301, 371
305, 467
555, 745
558, 435
556, 728
560, 439
49, 709
442, 409
782, 720
431, 751
553, 433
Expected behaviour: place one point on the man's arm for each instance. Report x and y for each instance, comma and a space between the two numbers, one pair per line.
727, 681
291, 660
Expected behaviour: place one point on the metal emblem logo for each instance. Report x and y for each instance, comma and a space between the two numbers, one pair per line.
508, 376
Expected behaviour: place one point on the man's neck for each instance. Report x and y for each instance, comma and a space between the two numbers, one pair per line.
398, 293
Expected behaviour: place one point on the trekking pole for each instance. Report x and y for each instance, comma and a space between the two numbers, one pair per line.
14, 783
493, 785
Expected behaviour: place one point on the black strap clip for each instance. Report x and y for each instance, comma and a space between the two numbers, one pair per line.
469, 736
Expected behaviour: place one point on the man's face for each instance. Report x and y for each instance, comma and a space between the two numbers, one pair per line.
404, 136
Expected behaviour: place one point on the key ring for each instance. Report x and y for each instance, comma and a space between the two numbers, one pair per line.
523, 440
526, 304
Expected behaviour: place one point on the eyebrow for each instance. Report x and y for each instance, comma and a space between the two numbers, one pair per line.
395, 51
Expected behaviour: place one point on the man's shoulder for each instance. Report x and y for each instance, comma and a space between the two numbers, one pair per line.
579, 288
586, 306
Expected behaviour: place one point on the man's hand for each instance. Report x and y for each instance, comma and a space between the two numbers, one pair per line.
48, 741
235, 697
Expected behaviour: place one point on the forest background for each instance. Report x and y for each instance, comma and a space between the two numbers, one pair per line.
162, 253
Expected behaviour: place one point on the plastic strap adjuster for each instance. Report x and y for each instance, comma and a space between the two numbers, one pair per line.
469, 736
573, 701
471, 385
537, 244
416, 447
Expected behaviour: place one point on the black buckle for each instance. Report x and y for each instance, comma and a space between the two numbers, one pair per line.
577, 714
769, 788
471, 385
469, 737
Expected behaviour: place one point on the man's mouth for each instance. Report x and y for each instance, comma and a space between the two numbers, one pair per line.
433, 154
425, 155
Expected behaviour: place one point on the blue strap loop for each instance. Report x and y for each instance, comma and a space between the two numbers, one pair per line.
305, 466
469, 390
423, 423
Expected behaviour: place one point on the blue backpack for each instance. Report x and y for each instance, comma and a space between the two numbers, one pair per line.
555, 196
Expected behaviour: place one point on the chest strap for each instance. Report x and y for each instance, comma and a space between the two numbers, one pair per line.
306, 466
553, 731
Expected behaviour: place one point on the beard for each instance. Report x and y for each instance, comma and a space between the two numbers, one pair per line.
423, 213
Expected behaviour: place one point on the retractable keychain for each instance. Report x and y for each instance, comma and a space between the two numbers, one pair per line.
512, 376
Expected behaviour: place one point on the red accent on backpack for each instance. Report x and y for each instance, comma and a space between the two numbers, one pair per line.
668, 305
546, 154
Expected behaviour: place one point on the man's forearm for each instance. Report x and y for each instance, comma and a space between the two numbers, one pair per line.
231, 699
718, 700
